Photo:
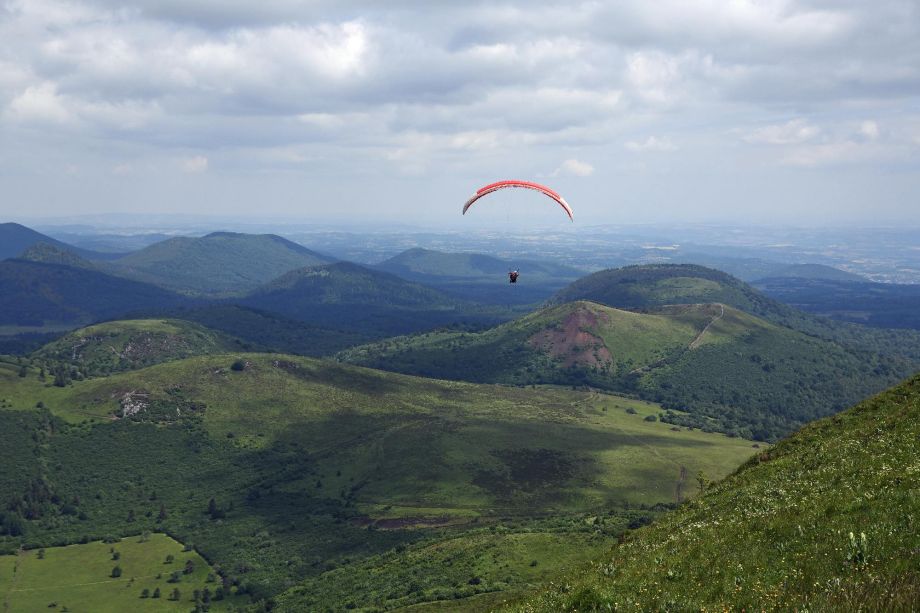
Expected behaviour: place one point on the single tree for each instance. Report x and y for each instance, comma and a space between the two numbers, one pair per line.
702, 481
176, 594
116, 572
145, 593
169, 559
41, 554
162, 514
156, 593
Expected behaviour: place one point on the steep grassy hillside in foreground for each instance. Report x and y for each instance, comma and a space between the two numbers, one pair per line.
827, 520
728, 369
339, 481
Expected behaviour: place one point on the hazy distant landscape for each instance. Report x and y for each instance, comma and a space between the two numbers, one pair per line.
520, 307
540, 423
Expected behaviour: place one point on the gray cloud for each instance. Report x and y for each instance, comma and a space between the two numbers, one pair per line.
320, 90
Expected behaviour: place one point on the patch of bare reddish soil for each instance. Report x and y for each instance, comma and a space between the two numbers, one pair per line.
571, 341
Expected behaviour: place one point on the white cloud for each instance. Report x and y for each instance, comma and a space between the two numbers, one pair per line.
575, 167
790, 133
195, 165
652, 143
40, 103
869, 129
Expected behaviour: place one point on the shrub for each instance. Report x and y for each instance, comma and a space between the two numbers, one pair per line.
651, 418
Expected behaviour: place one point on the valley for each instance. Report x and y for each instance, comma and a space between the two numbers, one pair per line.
340, 436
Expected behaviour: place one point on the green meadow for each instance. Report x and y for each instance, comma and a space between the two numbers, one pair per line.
79, 578
303, 480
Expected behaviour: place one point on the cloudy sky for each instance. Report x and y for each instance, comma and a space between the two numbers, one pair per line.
767, 111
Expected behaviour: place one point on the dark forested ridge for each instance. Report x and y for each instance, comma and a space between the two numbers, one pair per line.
36, 294
350, 297
881, 305
484, 278
219, 264
16, 238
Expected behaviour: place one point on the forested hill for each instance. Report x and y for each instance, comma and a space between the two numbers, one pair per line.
219, 264
481, 277
40, 294
648, 286
825, 520
16, 238
354, 298
713, 366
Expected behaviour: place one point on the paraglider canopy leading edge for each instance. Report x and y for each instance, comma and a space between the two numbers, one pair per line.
492, 187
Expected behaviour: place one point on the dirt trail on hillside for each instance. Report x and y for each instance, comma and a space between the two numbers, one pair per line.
6, 599
696, 342
699, 337
682, 479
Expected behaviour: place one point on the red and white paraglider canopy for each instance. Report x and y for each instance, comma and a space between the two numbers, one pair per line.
493, 187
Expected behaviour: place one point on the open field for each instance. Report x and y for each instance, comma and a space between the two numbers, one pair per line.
78, 578
315, 466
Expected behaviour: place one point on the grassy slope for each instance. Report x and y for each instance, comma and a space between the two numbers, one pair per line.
78, 577
222, 263
130, 344
744, 374
776, 535
650, 286
303, 455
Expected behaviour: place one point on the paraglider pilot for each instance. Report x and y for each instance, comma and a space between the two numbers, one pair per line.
512, 276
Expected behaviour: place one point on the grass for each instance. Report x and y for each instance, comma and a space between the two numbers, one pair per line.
129, 344
719, 367
825, 520
360, 422
317, 466
79, 577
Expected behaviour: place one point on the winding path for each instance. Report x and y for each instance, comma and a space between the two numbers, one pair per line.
699, 337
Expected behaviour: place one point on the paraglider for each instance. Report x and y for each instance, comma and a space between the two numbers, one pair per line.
492, 187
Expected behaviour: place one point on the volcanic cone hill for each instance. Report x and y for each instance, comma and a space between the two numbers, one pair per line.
713, 365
